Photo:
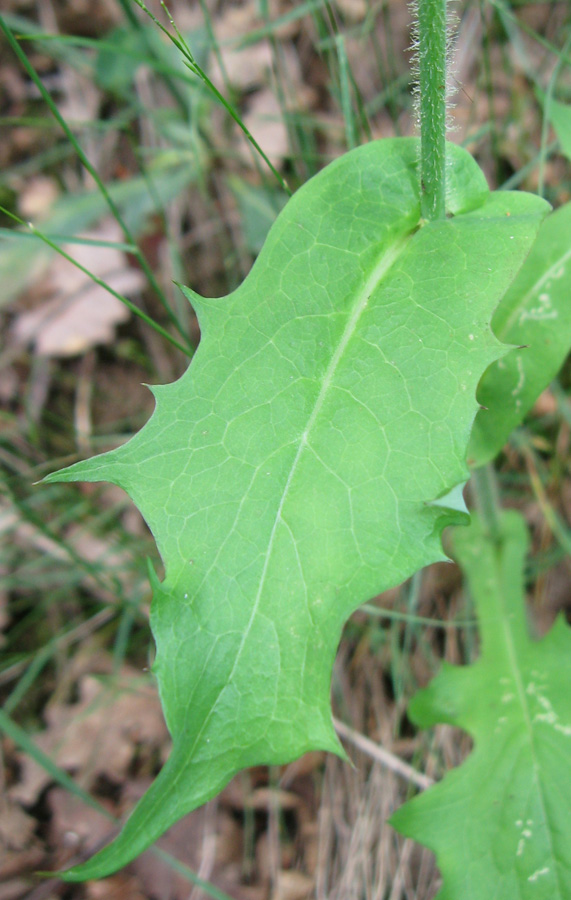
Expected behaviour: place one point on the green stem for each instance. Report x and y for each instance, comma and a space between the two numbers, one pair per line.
432, 39
487, 499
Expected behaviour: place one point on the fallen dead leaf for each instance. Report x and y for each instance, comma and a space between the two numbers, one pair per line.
289, 28
118, 887
265, 797
264, 121
15, 889
246, 68
208, 840
75, 828
21, 852
37, 197
98, 736
305, 765
236, 795
86, 17
353, 10
28, 536
293, 885
77, 313
16, 828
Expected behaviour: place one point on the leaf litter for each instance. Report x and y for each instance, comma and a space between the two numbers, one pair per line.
75, 312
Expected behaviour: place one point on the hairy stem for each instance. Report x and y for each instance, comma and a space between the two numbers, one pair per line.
432, 40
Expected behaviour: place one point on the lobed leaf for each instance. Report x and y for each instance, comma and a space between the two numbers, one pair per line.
535, 316
499, 825
301, 465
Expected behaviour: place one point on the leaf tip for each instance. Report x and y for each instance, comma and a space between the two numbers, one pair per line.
453, 501
98, 468
153, 577
199, 304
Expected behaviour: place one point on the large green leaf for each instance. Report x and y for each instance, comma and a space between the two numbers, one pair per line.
500, 824
299, 466
535, 316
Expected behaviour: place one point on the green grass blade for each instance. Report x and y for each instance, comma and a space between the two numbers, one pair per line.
92, 171
99, 281
346, 107
191, 64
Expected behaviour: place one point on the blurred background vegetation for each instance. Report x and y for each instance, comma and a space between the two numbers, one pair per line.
134, 172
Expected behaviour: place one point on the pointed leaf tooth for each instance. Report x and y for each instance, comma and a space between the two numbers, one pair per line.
204, 307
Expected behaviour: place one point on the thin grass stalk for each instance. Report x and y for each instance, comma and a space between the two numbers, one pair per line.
95, 175
188, 351
348, 117
129, 13
545, 124
189, 61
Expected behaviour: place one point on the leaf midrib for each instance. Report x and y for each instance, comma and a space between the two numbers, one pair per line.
385, 262
514, 665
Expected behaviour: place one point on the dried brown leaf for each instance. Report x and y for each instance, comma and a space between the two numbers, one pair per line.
78, 313
264, 121
293, 885
245, 68
37, 197
75, 827
98, 736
